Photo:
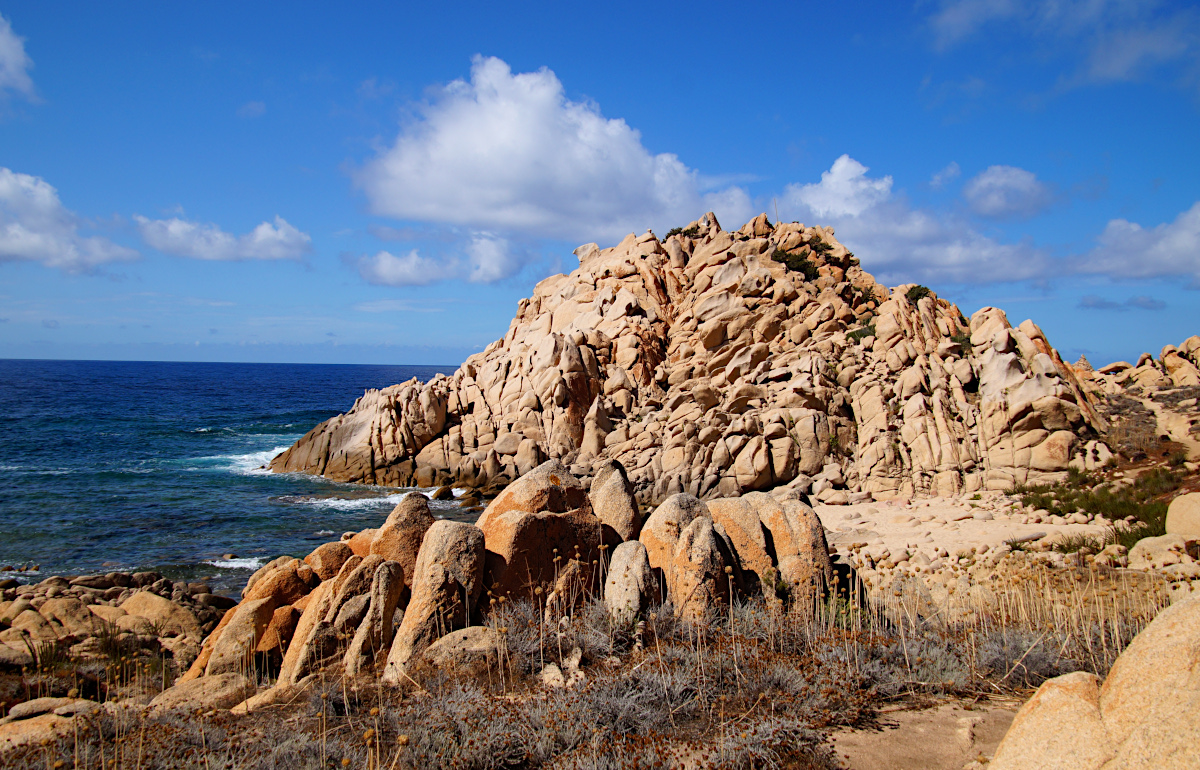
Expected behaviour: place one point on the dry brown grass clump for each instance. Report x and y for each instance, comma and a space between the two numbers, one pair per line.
754, 686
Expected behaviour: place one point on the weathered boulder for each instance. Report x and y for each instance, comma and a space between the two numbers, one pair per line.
1183, 516
375, 633
631, 587
168, 618
533, 527
283, 585
233, 652
302, 653
701, 575
660, 533
1146, 714
278, 633
447, 582
1059, 728
71, 614
471, 650
399, 539
738, 518
221, 691
798, 540
327, 559
613, 502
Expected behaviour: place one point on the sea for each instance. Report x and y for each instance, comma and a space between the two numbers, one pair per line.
128, 466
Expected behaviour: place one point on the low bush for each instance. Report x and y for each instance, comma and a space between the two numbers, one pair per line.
797, 263
917, 293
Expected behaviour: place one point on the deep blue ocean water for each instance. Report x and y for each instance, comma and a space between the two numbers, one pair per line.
114, 465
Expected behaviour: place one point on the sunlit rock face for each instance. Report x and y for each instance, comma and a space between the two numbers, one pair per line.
717, 363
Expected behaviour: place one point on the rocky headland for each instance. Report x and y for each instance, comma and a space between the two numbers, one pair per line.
735, 498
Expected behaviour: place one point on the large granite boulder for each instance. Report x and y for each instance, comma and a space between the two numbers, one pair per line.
1145, 715
533, 527
447, 582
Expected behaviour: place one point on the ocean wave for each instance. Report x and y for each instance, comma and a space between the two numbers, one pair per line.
237, 563
249, 464
344, 503
323, 532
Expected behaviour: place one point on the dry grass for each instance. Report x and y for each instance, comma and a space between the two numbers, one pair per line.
755, 686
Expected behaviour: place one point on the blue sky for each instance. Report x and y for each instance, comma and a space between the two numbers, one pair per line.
287, 182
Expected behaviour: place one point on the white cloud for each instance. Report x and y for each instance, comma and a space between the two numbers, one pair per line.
36, 227
1007, 192
207, 241
845, 190
945, 176
1127, 250
387, 269
899, 243
14, 62
491, 258
1120, 39
508, 152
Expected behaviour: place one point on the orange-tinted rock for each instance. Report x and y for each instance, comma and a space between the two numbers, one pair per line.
328, 559
399, 539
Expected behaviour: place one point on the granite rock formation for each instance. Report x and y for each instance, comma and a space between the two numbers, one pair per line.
717, 363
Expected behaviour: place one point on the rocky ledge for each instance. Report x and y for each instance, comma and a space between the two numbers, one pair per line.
143, 612
717, 363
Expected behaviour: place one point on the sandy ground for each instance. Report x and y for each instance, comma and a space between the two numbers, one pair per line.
936, 529
945, 737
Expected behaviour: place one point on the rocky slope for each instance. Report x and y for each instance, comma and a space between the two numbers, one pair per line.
717, 363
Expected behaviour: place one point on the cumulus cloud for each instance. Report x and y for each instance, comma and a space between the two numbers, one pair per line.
845, 190
14, 62
411, 269
507, 152
197, 240
900, 243
36, 227
1007, 192
485, 257
1141, 302
1127, 250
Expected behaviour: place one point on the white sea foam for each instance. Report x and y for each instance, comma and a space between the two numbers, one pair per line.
350, 504
323, 532
236, 563
249, 464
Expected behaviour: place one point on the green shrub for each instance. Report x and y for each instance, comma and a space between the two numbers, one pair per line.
860, 334
796, 263
964, 340
917, 293
691, 232
1142, 500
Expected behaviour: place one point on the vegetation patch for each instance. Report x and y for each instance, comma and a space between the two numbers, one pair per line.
797, 263
917, 293
1139, 509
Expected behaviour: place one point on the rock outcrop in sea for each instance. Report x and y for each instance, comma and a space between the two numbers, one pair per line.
718, 363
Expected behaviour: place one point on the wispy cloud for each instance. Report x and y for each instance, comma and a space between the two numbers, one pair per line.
1141, 302
1007, 192
397, 306
252, 110
14, 63
198, 240
1109, 40
945, 176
